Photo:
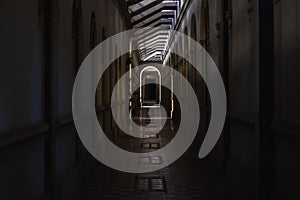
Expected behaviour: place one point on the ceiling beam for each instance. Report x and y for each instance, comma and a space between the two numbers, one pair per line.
153, 41
150, 15
146, 39
158, 38
153, 56
147, 30
147, 7
156, 19
151, 52
146, 17
151, 47
153, 44
154, 59
147, 51
166, 15
154, 47
156, 31
163, 23
150, 55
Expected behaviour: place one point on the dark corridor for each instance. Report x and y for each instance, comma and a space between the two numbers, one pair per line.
254, 47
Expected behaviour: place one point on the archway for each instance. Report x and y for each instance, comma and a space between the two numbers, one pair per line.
77, 33
204, 34
194, 37
205, 42
150, 87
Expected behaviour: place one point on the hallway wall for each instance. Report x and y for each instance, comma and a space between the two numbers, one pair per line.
242, 161
243, 97
22, 111
286, 98
43, 43
41, 155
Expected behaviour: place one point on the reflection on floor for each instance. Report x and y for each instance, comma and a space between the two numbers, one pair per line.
187, 178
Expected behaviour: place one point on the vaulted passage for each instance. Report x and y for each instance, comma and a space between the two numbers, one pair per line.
150, 99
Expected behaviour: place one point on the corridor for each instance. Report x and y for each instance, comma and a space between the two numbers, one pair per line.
187, 178
150, 99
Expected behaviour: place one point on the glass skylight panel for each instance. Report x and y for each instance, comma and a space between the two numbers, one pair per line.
147, 12
157, 16
138, 6
162, 14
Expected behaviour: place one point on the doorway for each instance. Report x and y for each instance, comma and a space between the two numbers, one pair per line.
150, 87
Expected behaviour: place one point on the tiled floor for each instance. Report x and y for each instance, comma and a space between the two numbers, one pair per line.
187, 178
